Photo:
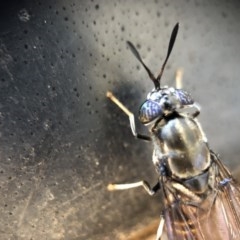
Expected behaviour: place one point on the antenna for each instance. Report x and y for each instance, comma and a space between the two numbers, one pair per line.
137, 55
156, 81
170, 47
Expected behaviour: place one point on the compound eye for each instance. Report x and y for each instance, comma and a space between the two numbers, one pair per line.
184, 97
149, 111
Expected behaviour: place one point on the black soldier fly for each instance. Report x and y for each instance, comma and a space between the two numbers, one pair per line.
201, 200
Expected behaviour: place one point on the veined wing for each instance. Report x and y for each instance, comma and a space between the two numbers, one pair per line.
181, 212
181, 222
216, 217
228, 198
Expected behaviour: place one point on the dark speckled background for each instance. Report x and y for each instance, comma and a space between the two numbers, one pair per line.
62, 141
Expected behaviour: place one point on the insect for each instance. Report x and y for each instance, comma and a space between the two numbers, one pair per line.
201, 200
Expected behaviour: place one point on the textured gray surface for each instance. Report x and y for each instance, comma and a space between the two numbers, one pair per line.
62, 141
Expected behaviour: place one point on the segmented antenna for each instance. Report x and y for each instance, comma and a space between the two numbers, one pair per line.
170, 47
137, 55
156, 81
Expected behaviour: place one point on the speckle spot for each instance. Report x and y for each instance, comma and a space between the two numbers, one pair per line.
23, 15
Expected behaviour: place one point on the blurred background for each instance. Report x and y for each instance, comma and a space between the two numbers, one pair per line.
62, 141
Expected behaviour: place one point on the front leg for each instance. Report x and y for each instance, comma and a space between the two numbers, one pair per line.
131, 117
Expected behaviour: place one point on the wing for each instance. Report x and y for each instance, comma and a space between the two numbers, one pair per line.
181, 222
181, 212
228, 198
215, 217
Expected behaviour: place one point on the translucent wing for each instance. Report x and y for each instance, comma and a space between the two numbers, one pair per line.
228, 198
182, 213
181, 222
216, 216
